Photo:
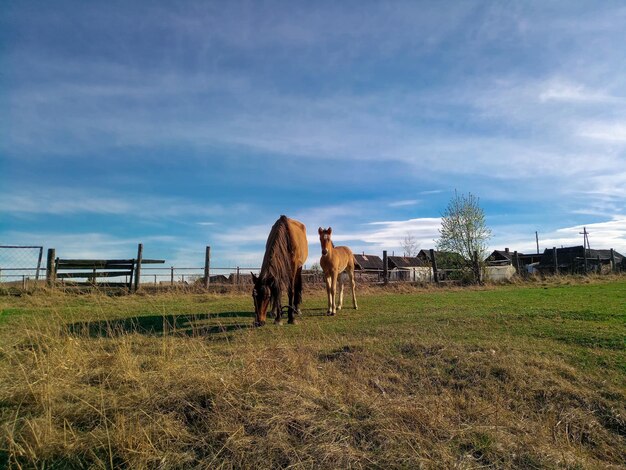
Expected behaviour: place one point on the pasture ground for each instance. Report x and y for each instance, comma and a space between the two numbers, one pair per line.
518, 376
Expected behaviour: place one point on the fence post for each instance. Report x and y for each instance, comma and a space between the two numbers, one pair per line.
385, 268
138, 267
50, 272
207, 266
433, 261
477, 273
38, 264
237, 278
613, 265
172, 276
556, 262
516, 261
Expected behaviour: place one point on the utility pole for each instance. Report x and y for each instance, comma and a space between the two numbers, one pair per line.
537, 240
585, 235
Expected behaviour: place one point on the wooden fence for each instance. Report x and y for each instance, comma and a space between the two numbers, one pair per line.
131, 273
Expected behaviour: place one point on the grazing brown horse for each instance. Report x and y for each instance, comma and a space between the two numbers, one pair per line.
286, 251
334, 261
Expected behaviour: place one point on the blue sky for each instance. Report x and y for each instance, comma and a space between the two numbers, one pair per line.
185, 124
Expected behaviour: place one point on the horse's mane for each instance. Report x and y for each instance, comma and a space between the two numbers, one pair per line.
277, 267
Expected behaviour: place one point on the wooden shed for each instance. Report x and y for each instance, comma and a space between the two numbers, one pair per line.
365, 262
572, 259
409, 268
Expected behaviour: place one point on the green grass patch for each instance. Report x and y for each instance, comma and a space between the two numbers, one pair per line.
510, 376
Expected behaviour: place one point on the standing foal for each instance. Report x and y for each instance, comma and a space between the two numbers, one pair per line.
334, 261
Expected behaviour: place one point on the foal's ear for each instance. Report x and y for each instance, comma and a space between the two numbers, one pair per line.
330, 230
254, 278
320, 230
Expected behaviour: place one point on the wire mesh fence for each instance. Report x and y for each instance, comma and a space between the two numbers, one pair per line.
22, 267
20, 264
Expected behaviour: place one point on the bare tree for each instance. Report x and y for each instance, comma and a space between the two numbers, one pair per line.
409, 245
464, 231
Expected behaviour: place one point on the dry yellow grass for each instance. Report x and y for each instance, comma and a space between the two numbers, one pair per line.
317, 398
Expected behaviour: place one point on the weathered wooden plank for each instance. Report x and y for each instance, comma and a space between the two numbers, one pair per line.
99, 284
91, 274
93, 263
102, 263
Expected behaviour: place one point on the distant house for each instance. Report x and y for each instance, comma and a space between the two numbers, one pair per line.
365, 262
408, 268
500, 257
445, 259
218, 279
571, 260
241, 278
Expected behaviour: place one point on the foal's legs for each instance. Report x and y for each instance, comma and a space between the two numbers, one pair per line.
353, 283
329, 289
340, 280
334, 291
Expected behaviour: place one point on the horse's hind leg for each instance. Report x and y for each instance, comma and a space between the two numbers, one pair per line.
353, 284
298, 291
291, 320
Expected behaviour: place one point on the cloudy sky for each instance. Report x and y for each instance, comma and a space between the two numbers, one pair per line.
186, 124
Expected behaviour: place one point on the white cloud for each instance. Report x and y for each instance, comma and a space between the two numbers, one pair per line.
62, 201
405, 202
82, 245
605, 131
563, 91
602, 235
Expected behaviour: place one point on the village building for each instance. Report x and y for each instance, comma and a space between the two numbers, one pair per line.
365, 262
409, 268
368, 267
503, 264
578, 260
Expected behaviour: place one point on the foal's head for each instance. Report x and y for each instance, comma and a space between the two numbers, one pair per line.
325, 239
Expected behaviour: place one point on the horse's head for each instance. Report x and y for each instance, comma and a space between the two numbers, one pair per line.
325, 239
261, 295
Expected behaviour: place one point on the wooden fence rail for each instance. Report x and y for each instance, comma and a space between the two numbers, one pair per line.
92, 269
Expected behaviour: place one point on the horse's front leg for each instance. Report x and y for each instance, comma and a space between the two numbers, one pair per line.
329, 287
340, 281
278, 311
333, 290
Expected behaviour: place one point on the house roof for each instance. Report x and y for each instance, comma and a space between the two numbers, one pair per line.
501, 255
368, 262
444, 258
405, 262
570, 255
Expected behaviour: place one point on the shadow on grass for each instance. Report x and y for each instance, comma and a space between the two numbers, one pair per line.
201, 324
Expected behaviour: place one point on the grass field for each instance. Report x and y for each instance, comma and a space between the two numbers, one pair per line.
520, 376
